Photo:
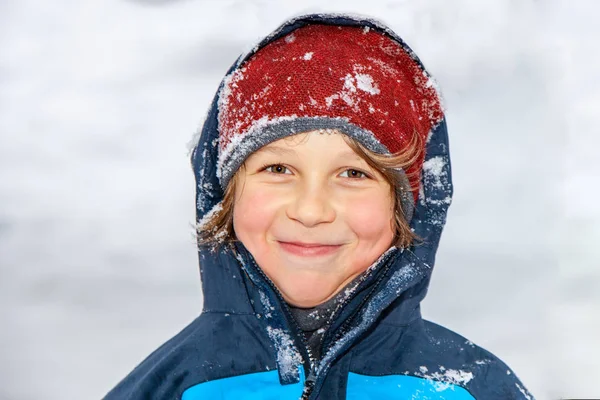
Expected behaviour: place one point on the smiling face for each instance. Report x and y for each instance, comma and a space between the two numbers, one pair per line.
313, 214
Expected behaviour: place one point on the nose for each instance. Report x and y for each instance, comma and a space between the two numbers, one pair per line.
311, 206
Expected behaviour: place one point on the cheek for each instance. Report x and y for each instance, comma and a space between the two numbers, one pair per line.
369, 216
253, 213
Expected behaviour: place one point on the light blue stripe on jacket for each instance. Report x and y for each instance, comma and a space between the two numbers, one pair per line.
266, 386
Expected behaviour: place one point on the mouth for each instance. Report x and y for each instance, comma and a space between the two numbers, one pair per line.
309, 249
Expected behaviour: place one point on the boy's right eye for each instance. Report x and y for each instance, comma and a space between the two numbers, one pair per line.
276, 169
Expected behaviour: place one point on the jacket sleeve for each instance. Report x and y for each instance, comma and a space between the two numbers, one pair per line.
496, 381
165, 373
156, 378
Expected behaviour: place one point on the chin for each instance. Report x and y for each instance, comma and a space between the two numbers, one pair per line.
307, 295
304, 303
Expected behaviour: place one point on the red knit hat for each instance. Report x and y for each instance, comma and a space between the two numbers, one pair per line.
358, 80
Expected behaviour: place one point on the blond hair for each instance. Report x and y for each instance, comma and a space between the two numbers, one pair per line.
216, 228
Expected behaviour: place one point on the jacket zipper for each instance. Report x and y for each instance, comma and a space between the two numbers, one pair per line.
309, 370
344, 328
342, 305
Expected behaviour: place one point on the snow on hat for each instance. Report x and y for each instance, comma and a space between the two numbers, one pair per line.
357, 80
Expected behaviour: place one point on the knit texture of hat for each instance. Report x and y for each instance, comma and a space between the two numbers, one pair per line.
359, 81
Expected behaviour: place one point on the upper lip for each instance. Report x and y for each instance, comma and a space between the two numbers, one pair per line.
310, 244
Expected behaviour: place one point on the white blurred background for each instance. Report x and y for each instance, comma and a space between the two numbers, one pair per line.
99, 98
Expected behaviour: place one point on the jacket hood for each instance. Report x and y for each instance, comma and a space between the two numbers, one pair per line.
223, 287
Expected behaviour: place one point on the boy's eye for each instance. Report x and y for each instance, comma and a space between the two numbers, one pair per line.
354, 173
276, 169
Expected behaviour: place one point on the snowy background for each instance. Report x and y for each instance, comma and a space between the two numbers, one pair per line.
99, 98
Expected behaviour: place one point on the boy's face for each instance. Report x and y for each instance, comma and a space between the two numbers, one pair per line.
314, 190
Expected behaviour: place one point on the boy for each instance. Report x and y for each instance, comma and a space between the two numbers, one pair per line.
323, 184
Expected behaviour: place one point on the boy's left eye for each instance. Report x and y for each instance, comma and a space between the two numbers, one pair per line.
354, 173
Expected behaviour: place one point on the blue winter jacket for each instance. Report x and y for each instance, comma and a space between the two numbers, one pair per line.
246, 345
